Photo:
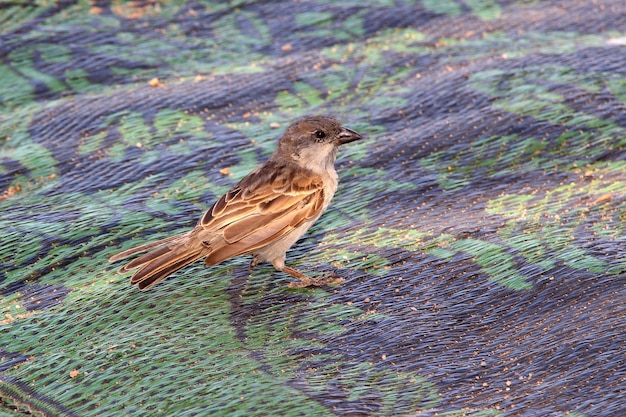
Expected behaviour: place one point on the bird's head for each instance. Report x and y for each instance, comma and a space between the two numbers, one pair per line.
312, 141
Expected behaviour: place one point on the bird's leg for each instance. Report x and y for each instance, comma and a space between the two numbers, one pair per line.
305, 280
254, 262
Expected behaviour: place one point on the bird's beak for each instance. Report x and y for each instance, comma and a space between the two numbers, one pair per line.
347, 135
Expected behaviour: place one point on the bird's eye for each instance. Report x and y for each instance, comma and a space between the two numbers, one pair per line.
320, 135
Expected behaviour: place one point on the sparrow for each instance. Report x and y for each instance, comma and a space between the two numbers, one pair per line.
262, 215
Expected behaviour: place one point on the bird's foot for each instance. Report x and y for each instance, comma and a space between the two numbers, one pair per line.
306, 281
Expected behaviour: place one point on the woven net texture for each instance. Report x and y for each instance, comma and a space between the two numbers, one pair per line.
479, 226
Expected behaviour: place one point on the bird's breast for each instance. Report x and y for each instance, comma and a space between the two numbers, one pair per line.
331, 180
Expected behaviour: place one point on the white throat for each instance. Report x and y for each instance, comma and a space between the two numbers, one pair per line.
319, 158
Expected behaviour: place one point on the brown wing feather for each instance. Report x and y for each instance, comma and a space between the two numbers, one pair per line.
258, 192
297, 208
279, 226
248, 219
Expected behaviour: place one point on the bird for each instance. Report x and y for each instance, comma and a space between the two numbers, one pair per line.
263, 215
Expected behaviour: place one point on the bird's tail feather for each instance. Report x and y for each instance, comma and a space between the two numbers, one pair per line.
147, 246
158, 264
168, 255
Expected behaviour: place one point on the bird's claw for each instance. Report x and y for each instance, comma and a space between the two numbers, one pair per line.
330, 279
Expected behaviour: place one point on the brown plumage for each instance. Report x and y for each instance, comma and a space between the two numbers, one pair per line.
263, 215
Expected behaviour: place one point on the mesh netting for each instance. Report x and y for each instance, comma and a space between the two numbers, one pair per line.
479, 227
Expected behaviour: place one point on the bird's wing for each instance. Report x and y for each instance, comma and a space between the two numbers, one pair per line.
263, 207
